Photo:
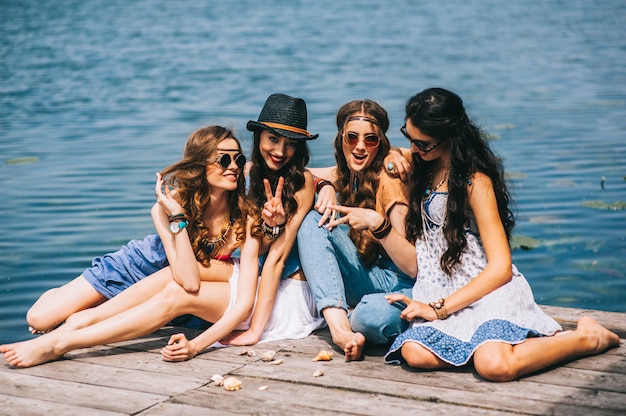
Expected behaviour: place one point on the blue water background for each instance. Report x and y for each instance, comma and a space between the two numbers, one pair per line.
98, 95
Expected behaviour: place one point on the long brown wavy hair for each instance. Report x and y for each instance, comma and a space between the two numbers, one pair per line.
358, 189
440, 114
188, 177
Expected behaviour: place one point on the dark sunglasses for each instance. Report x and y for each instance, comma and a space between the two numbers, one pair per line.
418, 143
225, 160
370, 140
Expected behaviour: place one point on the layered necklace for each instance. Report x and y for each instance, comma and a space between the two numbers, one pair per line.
212, 246
429, 189
433, 217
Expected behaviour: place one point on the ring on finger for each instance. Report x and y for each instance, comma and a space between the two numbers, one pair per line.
391, 166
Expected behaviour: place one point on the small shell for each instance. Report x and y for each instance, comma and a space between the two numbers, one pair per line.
323, 355
268, 355
232, 384
249, 351
318, 373
217, 380
277, 362
263, 388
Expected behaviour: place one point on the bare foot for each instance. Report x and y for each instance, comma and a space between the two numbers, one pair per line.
354, 348
600, 338
29, 353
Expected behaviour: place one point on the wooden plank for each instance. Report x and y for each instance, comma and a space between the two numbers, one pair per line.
198, 369
18, 406
118, 376
16, 384
569, 316
171, 408
442, 386
581, 378
282, 397
130, 378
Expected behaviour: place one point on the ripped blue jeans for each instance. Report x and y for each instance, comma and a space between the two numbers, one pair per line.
339, 279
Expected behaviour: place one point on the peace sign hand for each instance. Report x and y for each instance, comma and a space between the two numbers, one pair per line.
273, 211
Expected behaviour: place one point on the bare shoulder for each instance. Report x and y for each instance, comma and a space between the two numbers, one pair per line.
479, 182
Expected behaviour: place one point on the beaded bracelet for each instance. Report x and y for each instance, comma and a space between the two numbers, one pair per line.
320, 183
272, 232
383, 229
440, 308
176, 217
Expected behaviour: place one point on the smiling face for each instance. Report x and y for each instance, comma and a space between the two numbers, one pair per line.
426, 147
361, 141
276, 150
220, 177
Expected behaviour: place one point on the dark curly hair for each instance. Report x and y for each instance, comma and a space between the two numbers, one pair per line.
188, 177
361, 193
292, 172
440, 114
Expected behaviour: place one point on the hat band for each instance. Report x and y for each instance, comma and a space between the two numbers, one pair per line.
286, 127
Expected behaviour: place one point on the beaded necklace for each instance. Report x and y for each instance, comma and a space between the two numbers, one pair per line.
429, 188
213, 246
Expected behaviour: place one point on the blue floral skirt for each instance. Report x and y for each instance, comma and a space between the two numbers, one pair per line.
453, 350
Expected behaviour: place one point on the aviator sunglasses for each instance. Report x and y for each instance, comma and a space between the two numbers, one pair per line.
418, 143
225, 160
369, 140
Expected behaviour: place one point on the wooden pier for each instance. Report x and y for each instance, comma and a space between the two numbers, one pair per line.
129, 378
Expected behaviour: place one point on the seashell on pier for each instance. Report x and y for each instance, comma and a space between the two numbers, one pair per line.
268, 356
218, 380
232, 384
323, 355
318, 373
249, 351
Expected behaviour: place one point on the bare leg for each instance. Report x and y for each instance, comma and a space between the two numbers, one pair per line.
55, 305
418, 356
351, 342
132, 296
498, 361
209, 303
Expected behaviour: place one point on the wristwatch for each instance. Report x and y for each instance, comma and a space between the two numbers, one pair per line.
177, 226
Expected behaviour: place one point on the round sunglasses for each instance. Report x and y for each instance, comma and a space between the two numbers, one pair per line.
225, 160
370, 140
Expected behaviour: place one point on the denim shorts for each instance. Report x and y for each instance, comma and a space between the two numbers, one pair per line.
114, 272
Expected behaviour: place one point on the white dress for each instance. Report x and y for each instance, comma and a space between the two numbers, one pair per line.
508, 314
294, 315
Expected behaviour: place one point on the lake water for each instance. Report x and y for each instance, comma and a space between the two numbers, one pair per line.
98, 95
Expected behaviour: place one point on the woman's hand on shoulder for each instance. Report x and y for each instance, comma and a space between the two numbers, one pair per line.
396, 164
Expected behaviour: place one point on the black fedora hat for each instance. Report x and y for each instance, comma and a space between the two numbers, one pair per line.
285, 116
